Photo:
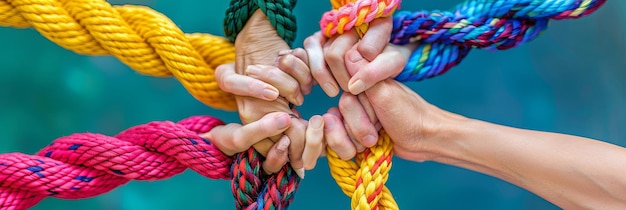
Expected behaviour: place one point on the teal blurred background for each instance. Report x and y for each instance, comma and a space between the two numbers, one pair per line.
569, 80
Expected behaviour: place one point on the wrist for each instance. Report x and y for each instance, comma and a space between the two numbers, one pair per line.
475, 145
258, 42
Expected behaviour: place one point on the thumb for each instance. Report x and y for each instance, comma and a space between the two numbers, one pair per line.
366, 74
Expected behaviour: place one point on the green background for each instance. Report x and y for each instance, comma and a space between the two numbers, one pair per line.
569, 80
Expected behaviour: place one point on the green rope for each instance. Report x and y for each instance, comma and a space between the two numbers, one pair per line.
279, 13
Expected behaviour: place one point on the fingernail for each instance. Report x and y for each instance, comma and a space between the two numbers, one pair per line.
300, 172
300, 99
283, 144
253, 70
282, 121
270, 94
369, 140
284, 52
356, 87
317, 122
333, 91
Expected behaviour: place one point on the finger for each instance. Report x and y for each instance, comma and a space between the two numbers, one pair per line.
357, 145
277, 156
314, 138
252, 109
234, 138
366, 74
317, 63
297, 69
287, 86
296, 133
271, 124
337, 138
367, 106
376, 38
301, 54
357, 120
242, 85
335, 53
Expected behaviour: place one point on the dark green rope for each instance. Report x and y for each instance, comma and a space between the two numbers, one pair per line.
279, 13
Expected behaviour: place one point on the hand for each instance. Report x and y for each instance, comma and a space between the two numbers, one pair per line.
258, 43
234, 138
329, 126
412, 123
335, 51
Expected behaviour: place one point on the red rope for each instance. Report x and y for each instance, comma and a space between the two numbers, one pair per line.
86, 165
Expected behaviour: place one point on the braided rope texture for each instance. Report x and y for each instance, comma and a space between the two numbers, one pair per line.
86, 165
145, 40
446, 38
348, 14
362, 179
278, 12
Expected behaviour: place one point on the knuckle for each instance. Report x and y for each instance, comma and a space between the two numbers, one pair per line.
359, 131
237, 143
286, 63
333, 55
348, 154
334, 143
255, 87
301, 54
347, 103
367, 50
229, 83
271, 167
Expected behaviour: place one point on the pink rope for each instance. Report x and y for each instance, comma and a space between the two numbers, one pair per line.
86, 165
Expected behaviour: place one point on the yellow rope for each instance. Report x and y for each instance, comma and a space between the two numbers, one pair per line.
147, 41
363, 179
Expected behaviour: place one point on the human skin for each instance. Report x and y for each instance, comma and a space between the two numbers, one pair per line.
258, 43
570, 171
232, 137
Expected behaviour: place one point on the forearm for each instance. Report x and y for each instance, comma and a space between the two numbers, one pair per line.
569, 171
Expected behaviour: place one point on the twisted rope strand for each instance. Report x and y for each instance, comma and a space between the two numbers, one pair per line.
278, 12
362, 179
447, 37
248, 177
87, 165
355, 14
484, 26
138, 36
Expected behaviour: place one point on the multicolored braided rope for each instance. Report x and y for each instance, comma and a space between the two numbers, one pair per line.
362, 179
279, 13
447, 37
86, 165
348, 14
